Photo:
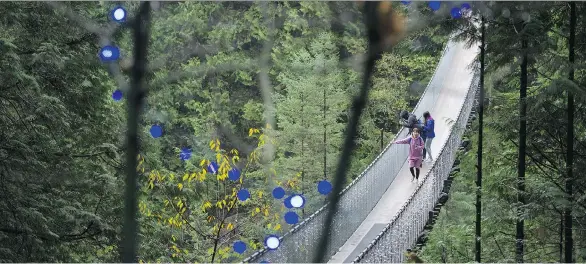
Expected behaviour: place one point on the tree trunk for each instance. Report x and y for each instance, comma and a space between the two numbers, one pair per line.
325, 140
382, 140
569, 243
479, 154
561, 246
521, 158
128, 247
302, 152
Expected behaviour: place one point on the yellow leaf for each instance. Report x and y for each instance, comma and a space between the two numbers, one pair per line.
259, 194
166, 202
257, 210
173, 237
185, 251
172, 176
277, 227
219, 204
219, 157
203, 162
180, 186
269, 226
151, 185
185, 177
212, 144
230, 226
250, 131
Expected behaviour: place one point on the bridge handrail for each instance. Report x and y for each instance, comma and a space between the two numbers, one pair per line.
429, 96
405, 227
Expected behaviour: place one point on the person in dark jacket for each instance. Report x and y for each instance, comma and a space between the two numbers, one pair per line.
429, 131
410, 121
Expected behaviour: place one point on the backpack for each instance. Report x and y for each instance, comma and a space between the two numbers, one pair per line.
420, 139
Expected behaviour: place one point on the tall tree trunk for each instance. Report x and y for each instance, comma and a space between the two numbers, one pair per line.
479, 154
302, 152
569, 245
325, 140
128, 247
522, 149
561, 246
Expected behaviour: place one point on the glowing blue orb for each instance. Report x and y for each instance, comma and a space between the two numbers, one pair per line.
465, 6
213, 167
185, 153
272, 242
324, 187
239, 247
291, 218
455, 12
117, 95
278, 192
109, 53
118, 14
297, 201
234, 174
156, 131
287, 202
434, 5
243, 195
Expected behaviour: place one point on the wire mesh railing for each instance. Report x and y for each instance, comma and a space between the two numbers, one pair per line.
361, 195
402, 232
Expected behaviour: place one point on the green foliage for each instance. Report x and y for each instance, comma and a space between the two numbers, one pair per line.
62, 145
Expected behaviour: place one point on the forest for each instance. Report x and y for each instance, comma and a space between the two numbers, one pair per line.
246, 103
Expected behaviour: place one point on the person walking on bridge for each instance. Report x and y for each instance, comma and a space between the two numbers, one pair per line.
410, 121
429, 134
416, 146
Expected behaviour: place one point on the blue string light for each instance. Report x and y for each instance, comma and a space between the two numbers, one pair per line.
185, 153
324, 187
287, 202
291, 218
239, 247
213, 167
234, 174
117, 95
272, 242
118, 14
156, 131
109, 53
278, 192
243, 195
455, 12
434, 5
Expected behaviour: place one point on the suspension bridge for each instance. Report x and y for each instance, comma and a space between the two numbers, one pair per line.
382, 212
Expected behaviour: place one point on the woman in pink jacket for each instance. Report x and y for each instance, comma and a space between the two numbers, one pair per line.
416, 146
